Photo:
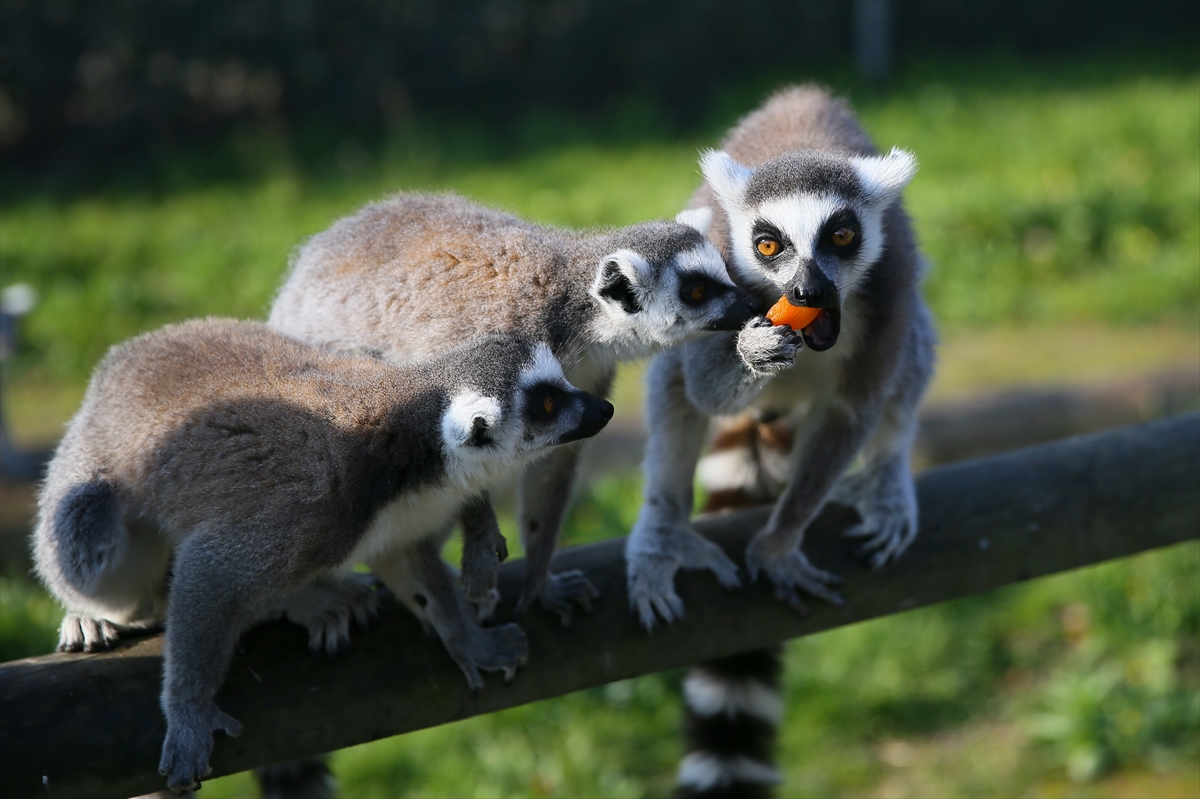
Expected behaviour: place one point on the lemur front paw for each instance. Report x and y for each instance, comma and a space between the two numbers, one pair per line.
559, 593
887, 502
791, 573
769, 348
326, 606
80, 633
653, 553
503, 648
189, 744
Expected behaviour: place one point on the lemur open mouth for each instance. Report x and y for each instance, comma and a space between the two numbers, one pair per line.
822, 332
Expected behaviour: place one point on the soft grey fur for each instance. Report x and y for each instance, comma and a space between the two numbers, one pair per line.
800, 157
409, 276
257, 466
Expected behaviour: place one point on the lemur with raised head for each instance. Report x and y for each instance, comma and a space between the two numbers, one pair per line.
803, 207
409, 276
247, 464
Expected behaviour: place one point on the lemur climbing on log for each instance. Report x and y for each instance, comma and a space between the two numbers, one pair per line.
805, 208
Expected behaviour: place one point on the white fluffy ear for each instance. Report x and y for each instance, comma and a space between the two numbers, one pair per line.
698, 218
470, 420
619, 279
884, 177
727, 177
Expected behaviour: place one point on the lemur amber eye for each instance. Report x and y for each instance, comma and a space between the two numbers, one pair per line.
842, 236
548, 404
697, 293
767, 247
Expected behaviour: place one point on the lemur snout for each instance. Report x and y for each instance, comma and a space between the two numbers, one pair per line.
810, 288
744, 308
596, 414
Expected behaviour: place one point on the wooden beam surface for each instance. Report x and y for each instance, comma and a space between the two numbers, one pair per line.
90, 726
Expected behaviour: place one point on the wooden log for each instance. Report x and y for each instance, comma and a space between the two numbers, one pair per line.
90, 725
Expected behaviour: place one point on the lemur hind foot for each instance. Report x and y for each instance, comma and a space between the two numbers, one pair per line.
503, 648
80, 633
885, 499
560, 593
326, 607
790, 573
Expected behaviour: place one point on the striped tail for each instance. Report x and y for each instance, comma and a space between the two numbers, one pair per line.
733, 706
732, 712
298, 779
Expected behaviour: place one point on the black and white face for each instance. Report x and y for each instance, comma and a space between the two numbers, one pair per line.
552, 410
807, 226
651, 306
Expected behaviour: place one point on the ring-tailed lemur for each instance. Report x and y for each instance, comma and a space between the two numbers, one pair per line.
409, 276
803, 207
256, 463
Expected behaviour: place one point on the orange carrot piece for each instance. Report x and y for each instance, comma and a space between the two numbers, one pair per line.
795, 317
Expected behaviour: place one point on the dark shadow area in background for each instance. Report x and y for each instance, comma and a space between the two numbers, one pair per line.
93, 90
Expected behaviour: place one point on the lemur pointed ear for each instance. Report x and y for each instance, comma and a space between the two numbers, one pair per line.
618, 278
884, 177
698, 218
471, 420
727, 177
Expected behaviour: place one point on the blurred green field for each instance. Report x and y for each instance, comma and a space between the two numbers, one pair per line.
1064, 197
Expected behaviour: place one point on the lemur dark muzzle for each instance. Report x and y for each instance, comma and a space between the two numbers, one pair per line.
822, 332
596, 413
744, 308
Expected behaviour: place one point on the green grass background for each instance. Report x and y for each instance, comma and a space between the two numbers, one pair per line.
1051, 197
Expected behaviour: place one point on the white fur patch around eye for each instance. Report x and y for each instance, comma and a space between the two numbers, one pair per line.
800, 217
543, 368
699, 219
458, 422
706, 260
884, 177
727, 177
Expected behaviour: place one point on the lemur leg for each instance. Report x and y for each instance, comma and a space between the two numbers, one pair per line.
821, 457
213, 596
716, 375
882, 490
662, 541
545, 491
421, 580
484, 548
110, 573
325, 607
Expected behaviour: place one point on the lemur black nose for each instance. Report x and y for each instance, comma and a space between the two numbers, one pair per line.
808, 296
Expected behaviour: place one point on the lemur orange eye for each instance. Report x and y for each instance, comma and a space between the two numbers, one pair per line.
767, 247
842, 236
548, 404
697, 293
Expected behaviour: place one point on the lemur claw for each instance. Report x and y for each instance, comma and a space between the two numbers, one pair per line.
789, 572
652, 560
885, 498
83, 633
189, 744
326, 606
559, 594
504, 649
